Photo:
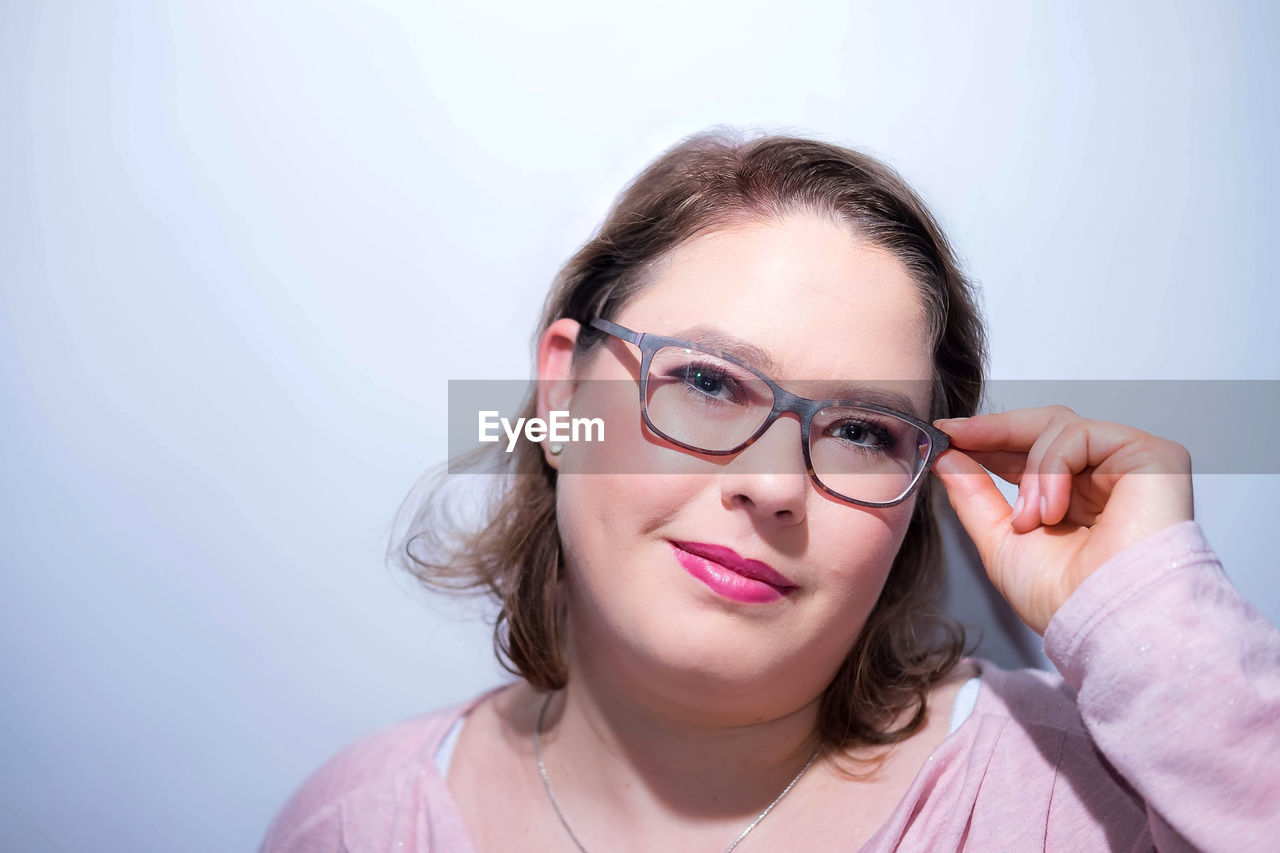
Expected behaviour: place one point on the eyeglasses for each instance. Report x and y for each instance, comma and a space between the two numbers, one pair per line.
711, 402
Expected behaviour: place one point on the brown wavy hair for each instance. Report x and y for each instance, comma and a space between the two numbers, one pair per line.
710, 181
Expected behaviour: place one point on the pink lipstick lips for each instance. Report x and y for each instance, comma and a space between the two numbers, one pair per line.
731, 575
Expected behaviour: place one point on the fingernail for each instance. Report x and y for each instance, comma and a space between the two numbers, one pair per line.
1044, 507
1018, 504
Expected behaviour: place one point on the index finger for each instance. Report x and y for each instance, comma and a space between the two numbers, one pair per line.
1015, 430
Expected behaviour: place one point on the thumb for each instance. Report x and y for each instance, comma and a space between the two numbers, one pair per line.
977, 501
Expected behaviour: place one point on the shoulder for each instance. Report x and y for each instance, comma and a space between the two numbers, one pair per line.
1031, 769
373, 757
375, 769
1028, 698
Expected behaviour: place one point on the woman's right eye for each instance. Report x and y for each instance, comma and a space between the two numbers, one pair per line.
711, 382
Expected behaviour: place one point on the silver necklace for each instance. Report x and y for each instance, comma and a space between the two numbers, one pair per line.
546, 783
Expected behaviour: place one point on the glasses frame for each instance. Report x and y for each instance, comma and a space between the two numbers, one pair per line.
783, 402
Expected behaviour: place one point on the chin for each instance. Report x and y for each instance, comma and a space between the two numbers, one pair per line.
693, 663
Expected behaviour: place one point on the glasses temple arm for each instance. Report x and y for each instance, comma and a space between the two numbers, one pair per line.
617, 331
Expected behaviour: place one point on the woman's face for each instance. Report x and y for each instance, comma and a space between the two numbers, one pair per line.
822, 305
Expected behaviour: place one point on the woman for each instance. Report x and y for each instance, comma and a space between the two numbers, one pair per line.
722, 615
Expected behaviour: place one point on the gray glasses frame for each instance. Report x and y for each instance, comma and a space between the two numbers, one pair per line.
783, 402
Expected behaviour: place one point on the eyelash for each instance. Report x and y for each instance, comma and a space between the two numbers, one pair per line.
696, 370
883, 436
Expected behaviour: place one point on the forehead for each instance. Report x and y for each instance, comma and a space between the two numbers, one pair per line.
821, 303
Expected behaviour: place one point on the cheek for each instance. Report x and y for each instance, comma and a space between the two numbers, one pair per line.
613, 495
613, 556
869, 543
601, 515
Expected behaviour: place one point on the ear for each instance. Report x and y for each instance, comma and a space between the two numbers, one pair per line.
555, 373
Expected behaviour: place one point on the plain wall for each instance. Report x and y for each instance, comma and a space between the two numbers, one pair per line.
243, 247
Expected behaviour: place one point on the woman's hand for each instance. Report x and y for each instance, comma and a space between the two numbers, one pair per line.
1086, 491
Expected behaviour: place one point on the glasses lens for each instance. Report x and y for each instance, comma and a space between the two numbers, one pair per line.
866, 455
694, 398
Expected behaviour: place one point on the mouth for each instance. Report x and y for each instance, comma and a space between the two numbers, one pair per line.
730, 574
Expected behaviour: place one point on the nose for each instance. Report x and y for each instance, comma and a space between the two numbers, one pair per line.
768, 478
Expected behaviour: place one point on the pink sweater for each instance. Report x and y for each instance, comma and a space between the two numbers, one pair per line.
1164, 732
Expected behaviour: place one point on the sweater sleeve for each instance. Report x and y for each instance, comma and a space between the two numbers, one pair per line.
1178, 683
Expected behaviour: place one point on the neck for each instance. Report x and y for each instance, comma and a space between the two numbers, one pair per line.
643, 762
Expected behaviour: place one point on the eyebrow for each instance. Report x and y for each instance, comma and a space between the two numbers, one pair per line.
717, 339
880, 397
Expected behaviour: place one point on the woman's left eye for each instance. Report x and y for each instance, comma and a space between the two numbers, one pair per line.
862, 434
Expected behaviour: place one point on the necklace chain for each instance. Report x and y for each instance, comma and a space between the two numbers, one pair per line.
546, 783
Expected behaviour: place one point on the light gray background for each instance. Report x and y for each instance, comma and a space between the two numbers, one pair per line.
243, 246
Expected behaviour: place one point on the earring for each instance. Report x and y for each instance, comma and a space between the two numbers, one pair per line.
556, 448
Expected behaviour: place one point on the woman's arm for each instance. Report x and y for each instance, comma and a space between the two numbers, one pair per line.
1178, 678
1178, 683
